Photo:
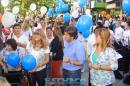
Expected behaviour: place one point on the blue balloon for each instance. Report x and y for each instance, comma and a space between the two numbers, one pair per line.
86, 34
13, 59
28, 62
49, 14
126, 5
51, 10
57, 2
127, 14
58, 9
82, 3
65, 7
66, 17
55, 15
84, 23
61, 3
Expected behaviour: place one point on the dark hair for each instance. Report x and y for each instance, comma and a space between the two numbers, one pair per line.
72, 31
12, 43
15, 25
49, 27
62, 27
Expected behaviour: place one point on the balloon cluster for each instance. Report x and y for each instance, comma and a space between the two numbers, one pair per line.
60, 8
126, 7
28, 61
84, 25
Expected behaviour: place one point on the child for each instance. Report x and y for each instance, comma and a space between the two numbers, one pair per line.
11, 47
38, 47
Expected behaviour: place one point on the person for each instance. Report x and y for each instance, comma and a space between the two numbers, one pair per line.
4, 82
37, 23
49, 34
73, 59
126, 34
20, 38
26, 27
103, 59
56, 49
39, 48
11, 47
118, 33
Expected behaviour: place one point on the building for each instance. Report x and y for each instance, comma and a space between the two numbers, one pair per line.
114, 6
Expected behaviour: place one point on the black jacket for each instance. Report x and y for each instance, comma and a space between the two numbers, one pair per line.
56, 49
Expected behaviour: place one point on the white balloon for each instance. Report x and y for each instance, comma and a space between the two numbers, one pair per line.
4, 2
8, 19
88, 11
75, 14
15, 10
43, 10
33, 7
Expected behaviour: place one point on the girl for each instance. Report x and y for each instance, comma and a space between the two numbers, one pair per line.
56, 48
38, 47
103, 59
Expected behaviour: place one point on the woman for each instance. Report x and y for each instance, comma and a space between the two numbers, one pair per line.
26, 27
103, 59
56, 48
38, 47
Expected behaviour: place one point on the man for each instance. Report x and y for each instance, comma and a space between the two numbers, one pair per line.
21, 39
74, 58
118, 31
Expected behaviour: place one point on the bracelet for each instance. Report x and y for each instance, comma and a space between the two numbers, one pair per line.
72, 62
100, 67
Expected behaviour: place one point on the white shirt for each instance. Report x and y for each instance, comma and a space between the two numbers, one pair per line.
39, 26
39, 55
22, 39
118, 33
107, 23
126, 37
91, 42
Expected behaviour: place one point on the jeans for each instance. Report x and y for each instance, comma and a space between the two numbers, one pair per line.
71, 78
110, 85
38, 77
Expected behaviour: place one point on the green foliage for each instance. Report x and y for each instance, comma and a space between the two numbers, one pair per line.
24, 5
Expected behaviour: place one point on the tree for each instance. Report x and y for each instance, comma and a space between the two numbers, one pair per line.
25, 4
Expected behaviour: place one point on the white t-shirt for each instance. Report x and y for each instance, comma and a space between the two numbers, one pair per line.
39, 55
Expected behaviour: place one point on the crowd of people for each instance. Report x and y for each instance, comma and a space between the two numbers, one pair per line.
61, 52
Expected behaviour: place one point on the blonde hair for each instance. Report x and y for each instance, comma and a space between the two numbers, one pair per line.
43, 38
26, 25
4, 82
104, 33
57, 32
